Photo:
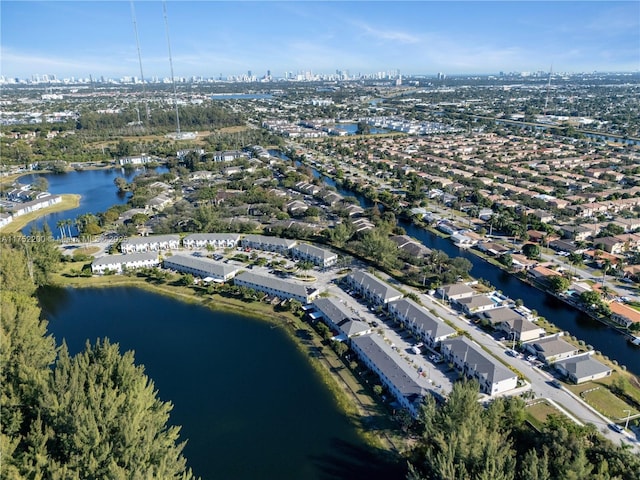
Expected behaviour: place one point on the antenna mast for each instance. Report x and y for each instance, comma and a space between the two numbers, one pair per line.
135, 30
173, 80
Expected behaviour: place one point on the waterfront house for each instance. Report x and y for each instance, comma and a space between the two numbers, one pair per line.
150, 244
373, 289
475, 303
399, 378
513, 324
316, 255
276, 287
201, 267
338, 317
426, 326
119, 263
469, 358
551, 349
456, 291
268, 244
623, 314
582, 368
213, 240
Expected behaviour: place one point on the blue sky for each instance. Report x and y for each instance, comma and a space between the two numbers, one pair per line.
210, 38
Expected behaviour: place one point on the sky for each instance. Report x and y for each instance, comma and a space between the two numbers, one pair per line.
213, 38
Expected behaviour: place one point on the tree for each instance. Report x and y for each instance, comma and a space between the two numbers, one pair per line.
531, 250
558, 283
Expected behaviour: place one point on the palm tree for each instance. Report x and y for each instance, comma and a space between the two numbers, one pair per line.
606, 265
60, 224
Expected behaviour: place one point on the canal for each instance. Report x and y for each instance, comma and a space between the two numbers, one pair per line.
570, 319
249, 403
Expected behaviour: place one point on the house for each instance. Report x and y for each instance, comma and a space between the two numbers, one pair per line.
410, 246
475, 304
464, 239
456, 291
371, 288
269, 244
150, 244
426, 326
551, 349
316, 255
338, 317
276, 287
213, 240
119, 263
512, 323
541, 274
623, 314
201, 267
473, 362
400, 379
582, 368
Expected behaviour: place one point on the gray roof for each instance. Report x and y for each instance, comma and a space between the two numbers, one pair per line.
152, 239
281, 242
422, 318
212, 237
314, 251
502, 314
276, 284
477, 359
582, 366
552, 346
374, 285
207, 266
392, 366
476, 301
456, 289
339, 315
133, 257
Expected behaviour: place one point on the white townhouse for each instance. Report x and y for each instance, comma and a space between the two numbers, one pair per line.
153, 243
201, 267
5, 219
371, 288
512, 323
474, 362
35, 205
338, 317
214, 240
430, 329
456, 291
551, 349
276, 287
118, 263
318, 256
282, 246
401, 380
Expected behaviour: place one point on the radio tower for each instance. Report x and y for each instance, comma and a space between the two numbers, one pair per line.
173, 80
546, 100
135, 30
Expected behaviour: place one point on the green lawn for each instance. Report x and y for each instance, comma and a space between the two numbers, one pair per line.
605, 402
538, 412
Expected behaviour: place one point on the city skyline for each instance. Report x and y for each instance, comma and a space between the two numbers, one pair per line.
210, 39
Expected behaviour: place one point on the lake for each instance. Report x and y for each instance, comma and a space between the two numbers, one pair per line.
96, 189
249, 403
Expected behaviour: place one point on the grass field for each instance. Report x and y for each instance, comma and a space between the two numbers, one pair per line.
538, 412
598, 395
69, 201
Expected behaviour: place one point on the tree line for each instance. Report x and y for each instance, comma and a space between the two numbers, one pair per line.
91, 415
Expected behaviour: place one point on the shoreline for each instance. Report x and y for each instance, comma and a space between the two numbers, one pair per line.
69, 202
347, 391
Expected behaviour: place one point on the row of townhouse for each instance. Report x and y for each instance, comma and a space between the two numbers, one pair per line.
276, 287
201, 267
374, 290
213, 240
426, 326
120, 263
512, 323
394, 372
468, 357
339, 318
318, 256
